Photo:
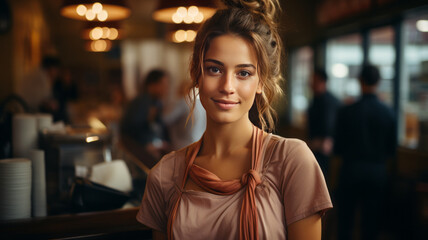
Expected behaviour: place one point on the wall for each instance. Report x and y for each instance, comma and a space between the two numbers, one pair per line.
21, 48
6, 86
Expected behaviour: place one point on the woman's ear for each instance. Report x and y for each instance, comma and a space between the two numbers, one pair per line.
259, 88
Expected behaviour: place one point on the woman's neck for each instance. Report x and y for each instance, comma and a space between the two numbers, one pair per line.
221, 140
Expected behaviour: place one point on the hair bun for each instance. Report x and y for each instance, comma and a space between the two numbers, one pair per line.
266, 8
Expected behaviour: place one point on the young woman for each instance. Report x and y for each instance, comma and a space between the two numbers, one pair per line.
238, 181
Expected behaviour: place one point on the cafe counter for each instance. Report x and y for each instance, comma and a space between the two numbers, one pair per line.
114, 224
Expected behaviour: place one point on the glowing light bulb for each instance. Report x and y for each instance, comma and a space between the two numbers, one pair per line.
90, 15
97, 7
113, 34
176, 18
192, 11
99, 45
199, 18
190, 35
102, 16
340, 70
106, 32
81, 10
182, 11
180, 35
187, 19
96, 33
422, 25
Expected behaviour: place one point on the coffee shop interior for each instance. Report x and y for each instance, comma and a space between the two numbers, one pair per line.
71, 69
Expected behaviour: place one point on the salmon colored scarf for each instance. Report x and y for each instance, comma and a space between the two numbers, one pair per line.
248, 227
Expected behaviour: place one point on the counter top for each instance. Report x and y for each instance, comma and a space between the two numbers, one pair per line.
94, 225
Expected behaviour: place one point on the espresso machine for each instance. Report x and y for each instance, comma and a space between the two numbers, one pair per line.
69, 155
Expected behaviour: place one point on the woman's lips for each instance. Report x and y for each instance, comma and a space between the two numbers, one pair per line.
225, 104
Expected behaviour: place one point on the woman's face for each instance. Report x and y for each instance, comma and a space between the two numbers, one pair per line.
230, 81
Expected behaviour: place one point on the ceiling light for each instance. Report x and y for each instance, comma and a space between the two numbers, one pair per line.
190, 35
97, 7
422, 25
189, 12
90, 15
90, 10
81, 10
340, 70
96, 33
102, 30
101, 45
181, 35
102, 16
113, 34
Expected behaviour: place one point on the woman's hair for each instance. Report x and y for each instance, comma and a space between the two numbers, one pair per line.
254, 21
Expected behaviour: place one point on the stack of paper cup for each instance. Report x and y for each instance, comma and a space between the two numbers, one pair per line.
38, 195
44, 121
15, 188
24, 134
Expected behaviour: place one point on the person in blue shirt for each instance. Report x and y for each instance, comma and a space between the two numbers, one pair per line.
365, 138
142, 130
321, 120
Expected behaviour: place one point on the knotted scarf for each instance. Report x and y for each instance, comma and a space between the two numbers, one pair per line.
248, 227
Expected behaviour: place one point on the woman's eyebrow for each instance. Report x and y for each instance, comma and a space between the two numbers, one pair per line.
237, 66
246, 66
214, 61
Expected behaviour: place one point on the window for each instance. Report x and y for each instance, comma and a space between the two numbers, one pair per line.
414, 83
382, 55
301, 65
344, 57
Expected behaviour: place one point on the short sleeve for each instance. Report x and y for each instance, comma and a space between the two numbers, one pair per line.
303, 185
152, 209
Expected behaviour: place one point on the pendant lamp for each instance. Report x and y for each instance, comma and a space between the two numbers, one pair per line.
101, 45
102, 30
95, 10
184, 11
182, 33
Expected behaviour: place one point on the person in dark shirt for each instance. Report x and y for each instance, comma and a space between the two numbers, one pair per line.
142, 131
365, 138
64, 91
321, 120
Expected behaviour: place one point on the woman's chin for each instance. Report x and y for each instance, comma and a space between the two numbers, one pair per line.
225, 119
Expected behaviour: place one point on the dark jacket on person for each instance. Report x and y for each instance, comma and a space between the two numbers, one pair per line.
322, 115
365, 131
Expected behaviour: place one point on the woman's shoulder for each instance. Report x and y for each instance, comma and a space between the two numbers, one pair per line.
165, 171
281, 150
170, 166
286, 145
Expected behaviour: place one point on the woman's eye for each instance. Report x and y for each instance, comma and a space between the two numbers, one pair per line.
244, 74
213, 69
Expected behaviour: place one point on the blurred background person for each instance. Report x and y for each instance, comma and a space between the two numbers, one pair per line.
365, 138
37, 87
184, 130
321, 119
64, 91
142, 130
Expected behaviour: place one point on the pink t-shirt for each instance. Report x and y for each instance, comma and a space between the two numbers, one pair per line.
292, 188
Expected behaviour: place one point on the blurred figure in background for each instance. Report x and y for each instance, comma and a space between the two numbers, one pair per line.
183, 132
64, 90
37, 88
321, 120
365, 138
142, 130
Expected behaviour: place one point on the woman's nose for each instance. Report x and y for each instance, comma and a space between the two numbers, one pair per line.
228, 83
